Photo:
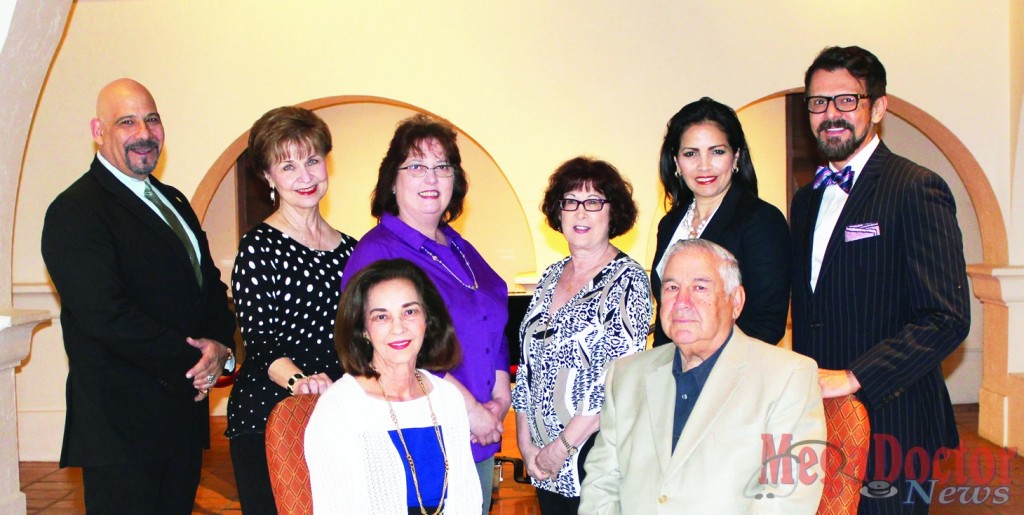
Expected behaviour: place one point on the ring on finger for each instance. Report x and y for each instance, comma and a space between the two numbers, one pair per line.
210, 378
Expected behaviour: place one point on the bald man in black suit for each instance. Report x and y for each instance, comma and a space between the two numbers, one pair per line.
145, 318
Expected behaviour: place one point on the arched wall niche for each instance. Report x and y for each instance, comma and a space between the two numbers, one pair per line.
361, 127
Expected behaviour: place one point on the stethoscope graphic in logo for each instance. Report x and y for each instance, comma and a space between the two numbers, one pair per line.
763, 485
878, 489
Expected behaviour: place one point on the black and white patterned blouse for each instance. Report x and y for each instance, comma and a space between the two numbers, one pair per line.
564, 356
286, 299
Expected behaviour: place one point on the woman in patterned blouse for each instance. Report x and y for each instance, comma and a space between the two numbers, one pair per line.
286, 284
589, 309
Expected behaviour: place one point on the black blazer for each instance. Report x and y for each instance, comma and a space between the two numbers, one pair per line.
889, 307
757, 234
128, 300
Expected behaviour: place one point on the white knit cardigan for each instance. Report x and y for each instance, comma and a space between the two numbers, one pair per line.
353, 464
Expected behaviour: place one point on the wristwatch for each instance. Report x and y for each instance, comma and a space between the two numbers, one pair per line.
568, 446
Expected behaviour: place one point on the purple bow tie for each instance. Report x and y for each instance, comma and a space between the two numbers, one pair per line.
842, 178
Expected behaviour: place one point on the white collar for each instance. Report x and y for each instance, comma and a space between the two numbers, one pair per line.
138, 186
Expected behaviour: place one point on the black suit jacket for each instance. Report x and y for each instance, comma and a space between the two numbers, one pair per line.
890, 307
757, 234
129, 299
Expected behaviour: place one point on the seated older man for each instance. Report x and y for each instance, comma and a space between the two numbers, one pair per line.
719, 422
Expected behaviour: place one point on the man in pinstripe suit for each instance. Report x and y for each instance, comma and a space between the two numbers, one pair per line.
879, 286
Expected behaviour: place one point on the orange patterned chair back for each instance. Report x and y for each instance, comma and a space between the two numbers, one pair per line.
849, 435
286, 458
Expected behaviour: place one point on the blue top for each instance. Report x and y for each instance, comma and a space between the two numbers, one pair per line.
689, 384
426, 454
479, 315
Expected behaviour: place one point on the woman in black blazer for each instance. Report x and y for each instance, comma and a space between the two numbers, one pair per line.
710, 182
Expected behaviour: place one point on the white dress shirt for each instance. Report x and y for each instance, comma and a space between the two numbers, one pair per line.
138, 187
832, 204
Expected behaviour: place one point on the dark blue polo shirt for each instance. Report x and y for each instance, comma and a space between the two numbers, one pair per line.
688, 387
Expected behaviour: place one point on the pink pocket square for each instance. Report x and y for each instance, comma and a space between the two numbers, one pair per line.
861, 231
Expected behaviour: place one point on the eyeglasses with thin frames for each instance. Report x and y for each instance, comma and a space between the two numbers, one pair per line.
590, 204
844, 103
419, 170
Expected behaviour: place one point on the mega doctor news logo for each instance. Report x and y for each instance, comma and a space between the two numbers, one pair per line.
965, 475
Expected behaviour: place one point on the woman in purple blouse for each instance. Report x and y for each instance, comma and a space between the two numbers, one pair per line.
420, 189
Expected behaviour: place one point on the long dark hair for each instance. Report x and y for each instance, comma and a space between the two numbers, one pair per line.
677, 193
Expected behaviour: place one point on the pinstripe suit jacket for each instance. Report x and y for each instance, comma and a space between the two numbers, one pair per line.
890, 307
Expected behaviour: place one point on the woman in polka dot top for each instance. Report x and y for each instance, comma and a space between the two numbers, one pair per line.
286, 283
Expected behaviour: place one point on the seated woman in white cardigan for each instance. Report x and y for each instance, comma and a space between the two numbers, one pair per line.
388, 437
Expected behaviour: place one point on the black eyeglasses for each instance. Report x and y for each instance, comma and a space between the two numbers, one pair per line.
418, 170
844, 103
590, 204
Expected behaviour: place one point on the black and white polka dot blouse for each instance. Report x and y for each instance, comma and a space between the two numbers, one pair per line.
286, 300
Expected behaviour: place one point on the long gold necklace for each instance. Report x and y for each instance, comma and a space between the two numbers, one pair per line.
408, 456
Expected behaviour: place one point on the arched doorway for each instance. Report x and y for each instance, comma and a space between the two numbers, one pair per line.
361, 127
920, 137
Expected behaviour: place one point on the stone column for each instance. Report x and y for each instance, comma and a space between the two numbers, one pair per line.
1001, 400
15, 333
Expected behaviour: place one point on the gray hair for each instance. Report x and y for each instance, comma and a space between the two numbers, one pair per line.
729, 271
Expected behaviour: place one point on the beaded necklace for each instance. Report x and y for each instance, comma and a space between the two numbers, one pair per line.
695, 232
408, 456
471, 287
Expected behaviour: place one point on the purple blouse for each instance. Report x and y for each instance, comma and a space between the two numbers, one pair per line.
479, 315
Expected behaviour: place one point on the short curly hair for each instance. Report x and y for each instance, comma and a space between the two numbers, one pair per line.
440, 351
602, 177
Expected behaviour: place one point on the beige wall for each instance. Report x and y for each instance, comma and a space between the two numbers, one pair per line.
533, 82
361, 132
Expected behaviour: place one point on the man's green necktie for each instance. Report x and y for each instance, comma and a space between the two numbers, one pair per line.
172, 220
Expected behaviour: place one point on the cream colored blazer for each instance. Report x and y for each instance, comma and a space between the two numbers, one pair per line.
721, 464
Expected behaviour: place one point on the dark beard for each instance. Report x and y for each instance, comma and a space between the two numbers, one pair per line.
147, 167
836, 149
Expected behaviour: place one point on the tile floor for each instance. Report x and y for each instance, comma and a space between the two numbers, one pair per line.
59, 491
51, 490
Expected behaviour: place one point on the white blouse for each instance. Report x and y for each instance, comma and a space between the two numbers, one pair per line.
354, 466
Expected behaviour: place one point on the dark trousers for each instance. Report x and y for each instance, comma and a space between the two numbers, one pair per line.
249, 459
557, 504
141, 488
883, 463
892, 505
